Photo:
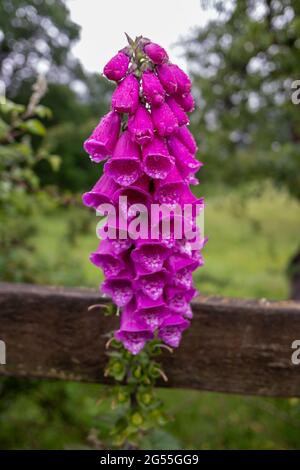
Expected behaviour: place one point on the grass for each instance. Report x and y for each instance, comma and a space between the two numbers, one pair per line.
253, 232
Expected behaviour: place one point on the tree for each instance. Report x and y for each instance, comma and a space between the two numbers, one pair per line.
36, 33
245, 65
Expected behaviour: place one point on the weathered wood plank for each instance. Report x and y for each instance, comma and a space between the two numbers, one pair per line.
234, 345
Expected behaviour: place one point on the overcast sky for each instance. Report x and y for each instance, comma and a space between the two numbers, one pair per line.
103, 23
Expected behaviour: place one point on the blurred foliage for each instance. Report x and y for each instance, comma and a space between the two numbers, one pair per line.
20, 195
32, 32
138, 409
244, 64
37, 35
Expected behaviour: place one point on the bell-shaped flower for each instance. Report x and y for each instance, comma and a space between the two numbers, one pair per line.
157, 162
173, 190
187, 102
153, 317
187, 138
101, 193
164, 120
125, 98
152, 284
150, 255
156, 53
117, 67
171, 329
140, 125
106, 259
120, 290
125, 164
181, 116
152, 88
137, 193
184, 83
103, 139
186, 163
167, 78
133, 332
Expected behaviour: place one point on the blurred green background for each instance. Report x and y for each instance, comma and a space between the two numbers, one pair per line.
243, 66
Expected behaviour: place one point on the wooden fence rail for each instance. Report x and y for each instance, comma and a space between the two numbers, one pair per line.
234, 345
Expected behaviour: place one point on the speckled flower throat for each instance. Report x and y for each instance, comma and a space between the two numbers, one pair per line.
149, 156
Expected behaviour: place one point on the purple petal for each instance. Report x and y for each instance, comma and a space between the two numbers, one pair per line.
117, 67
164, 120
101, 143
134, 332
152, 89
125, 164
153, 317
167, 78
181, 116
150, 256
125, 98
187, 138
184, 84
171, 330
156, 53
186, 101
140, 126
157, 163
152, 284
186, 163
120, 290
102, 193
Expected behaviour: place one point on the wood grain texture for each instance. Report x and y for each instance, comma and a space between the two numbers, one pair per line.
234, 345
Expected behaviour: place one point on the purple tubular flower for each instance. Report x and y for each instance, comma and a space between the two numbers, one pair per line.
140, 126
184, 84
187, 102
107, 260
117, 67
178, 299
150, 256
125, 98
115, 231
134, 332
167, 78
152, 89
101, 143
143, 301
148, 252
152, 284
186, 163
181, 116
102, 193
125, 164
183, 278
164, 120
178, 261
120, 290
137, 193
157, 163
153, 317
187, 138
171, 329
156, 53
173, 190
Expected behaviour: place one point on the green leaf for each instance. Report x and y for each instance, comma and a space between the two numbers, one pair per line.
8, 106
43, 112
3, 128
55, 162
33, 126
